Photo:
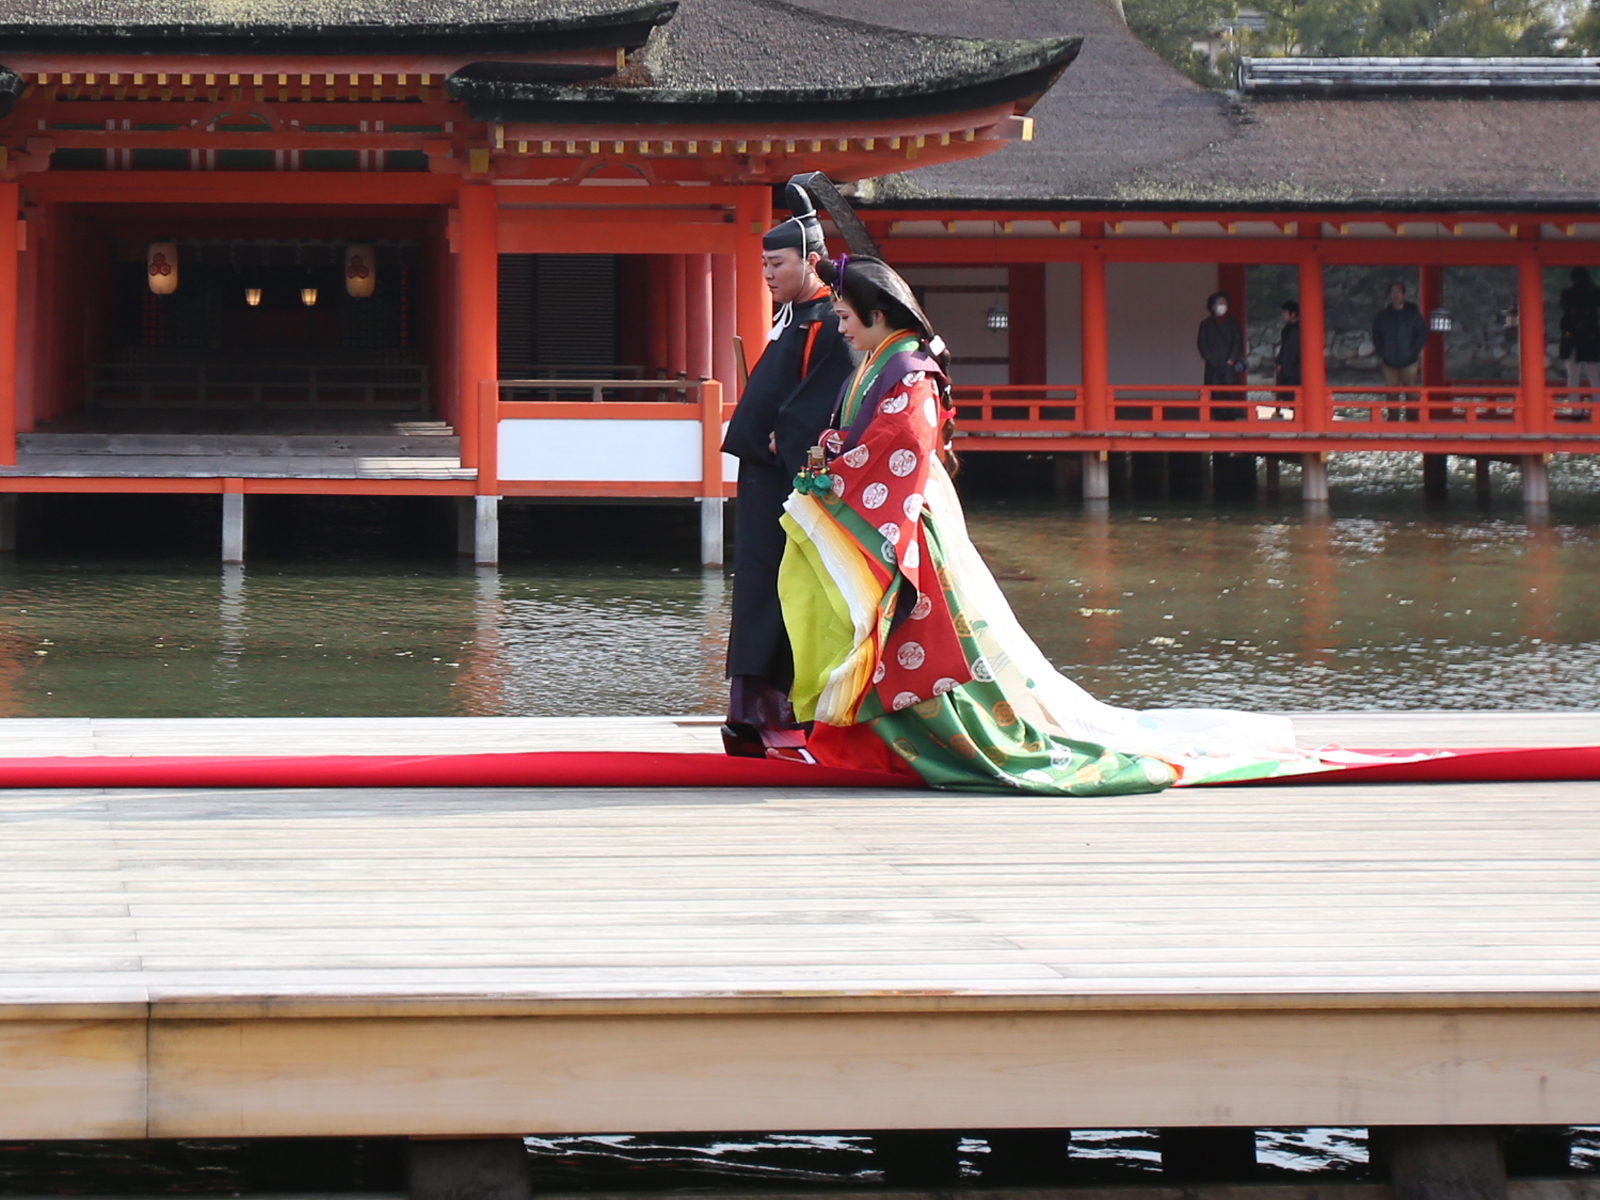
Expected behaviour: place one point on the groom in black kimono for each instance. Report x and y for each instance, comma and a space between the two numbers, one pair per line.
785, 407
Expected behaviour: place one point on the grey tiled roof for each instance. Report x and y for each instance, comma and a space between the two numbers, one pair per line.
717, 45
1122, 129
770, 59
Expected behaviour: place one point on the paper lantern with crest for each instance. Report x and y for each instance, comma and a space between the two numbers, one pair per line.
360, 271
161, 267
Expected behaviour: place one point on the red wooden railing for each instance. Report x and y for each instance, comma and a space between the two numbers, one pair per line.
1181, 409
1572, 406
1254, 411
1020, 408
1491, 408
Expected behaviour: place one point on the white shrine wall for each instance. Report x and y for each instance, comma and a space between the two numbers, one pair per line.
1063, 316
980, 355
1152, 313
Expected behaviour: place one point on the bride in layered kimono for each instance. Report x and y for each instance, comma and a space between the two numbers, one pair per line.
906, 652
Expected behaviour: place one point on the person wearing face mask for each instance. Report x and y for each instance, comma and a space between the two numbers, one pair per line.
785, 404
1221, 346
1221, 343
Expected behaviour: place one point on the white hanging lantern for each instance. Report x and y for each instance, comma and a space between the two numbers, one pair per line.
1440, 320
998, 320
161, 267
252, 297
360, 271
308, 297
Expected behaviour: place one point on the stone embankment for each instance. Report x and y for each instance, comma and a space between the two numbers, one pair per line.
1482, 346
1482, 350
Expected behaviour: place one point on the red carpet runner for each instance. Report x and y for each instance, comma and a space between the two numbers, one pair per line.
628, 769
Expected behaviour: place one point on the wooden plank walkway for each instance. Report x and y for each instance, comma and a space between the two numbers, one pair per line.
662, 893
277, 962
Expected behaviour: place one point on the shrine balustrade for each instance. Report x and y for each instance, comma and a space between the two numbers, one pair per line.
1055, 417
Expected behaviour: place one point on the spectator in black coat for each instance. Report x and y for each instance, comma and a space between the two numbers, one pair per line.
1221, 343
1221, 346
1398, 335
1580, 330
1289, 346
1288, 357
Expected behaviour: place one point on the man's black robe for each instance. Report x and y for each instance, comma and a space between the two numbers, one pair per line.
790, 394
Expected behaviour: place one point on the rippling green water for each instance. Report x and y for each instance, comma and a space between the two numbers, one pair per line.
1277, 612
1258, 608
122, 640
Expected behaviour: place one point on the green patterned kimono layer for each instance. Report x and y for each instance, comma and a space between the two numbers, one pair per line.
971, 738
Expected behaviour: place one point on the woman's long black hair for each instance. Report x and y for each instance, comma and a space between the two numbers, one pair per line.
870, 285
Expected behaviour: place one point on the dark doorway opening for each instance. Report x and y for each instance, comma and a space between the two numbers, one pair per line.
268, 328
261, 327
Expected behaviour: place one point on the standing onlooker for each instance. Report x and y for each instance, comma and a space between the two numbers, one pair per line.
1221, 346
1580, 330
1288, 356
1398, 335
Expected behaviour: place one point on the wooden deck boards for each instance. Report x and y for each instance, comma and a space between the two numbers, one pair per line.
455, 958
1328, 888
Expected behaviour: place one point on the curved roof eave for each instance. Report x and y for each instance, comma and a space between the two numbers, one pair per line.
1019, 73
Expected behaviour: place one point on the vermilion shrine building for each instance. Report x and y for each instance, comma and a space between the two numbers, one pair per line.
503, 250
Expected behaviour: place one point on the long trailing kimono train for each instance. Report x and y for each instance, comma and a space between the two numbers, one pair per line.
897, 625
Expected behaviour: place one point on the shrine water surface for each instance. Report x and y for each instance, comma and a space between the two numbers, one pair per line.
1376, 607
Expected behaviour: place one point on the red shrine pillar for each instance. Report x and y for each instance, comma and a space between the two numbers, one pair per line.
1028, 342
477, 335
677, 317
1530, 337
1096, 403
724, 322
1313, 352
28, 307
754, 318
10, 230
697, 315
1315, 410
1094, 399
